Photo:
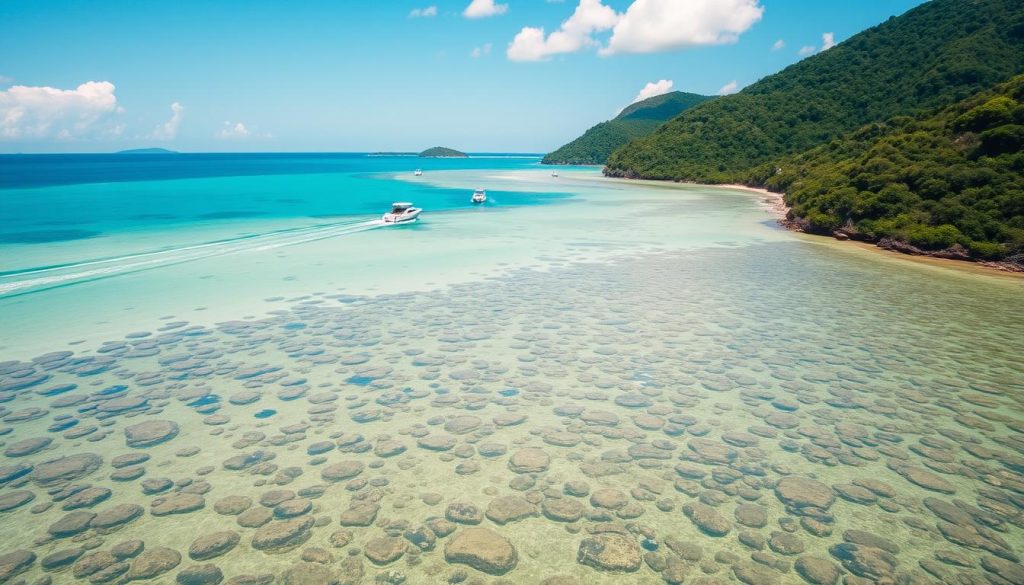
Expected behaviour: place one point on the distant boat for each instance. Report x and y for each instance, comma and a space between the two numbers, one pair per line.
479, 196
401, 212
554, 174
417, 173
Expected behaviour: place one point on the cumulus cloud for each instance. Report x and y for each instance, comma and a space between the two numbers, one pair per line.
807, 50
484, 8
169, 129
653, 88
828, 40
728, 88
428, 12
590, 16
230, 131
481, 51
779, 45
649, 26
88, 111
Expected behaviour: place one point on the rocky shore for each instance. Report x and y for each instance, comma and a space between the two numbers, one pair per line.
776, 205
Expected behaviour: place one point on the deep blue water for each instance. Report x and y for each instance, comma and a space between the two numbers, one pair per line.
66, 197
44, 170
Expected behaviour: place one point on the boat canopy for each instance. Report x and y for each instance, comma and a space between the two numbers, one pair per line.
400, 206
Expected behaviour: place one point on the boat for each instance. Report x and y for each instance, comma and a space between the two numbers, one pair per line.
401, 212
479, 196
417, 173
554, 174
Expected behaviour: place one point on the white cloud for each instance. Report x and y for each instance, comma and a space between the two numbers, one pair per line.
653, 88
484, 8
779, 45
88, 111
646, 26
481, 51
728, 88
649, 26
169, 129
574, 34
828, 40
428, 12
229, 131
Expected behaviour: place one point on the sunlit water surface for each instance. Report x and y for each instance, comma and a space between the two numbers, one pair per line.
583, 381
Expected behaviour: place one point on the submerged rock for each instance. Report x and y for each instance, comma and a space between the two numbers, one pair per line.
483, 549
213, 545
707, 519
67, 468
529, 460
15, 563
152, 562
817, 571
15, 499
282, 534
341, 471
179, 503
307, 573
116, 516
803, 492
509, 509
610, 552
385, 549
149, 433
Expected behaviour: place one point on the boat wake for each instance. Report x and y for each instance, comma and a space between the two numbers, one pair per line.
37, 279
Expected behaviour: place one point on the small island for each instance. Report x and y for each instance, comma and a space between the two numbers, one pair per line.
147, 151
442, 152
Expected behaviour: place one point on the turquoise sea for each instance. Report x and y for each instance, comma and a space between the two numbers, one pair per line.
222, 368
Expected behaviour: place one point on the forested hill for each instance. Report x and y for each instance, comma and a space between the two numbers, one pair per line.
639, 119
936, 54
442, 152
952, 180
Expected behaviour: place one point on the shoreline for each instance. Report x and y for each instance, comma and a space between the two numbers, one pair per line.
776, 205
772, 201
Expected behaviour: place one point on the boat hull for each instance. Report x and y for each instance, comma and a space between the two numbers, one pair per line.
408, 217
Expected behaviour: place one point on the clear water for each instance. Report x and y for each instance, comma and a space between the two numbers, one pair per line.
666, 347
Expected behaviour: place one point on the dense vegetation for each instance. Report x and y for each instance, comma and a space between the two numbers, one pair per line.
936, 54
953, 177
639, 119
442, 152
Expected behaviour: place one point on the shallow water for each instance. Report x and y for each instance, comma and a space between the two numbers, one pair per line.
641, 384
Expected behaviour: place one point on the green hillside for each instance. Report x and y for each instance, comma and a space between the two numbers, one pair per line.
954, 177
934, 55
639, 119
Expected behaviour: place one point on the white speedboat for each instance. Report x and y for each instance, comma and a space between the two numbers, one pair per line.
417, 173
479, 196
401, 212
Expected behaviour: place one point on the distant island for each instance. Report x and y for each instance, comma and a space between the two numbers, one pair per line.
442, 152
147, 151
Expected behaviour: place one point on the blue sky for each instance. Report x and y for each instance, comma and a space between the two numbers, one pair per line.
378, 75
